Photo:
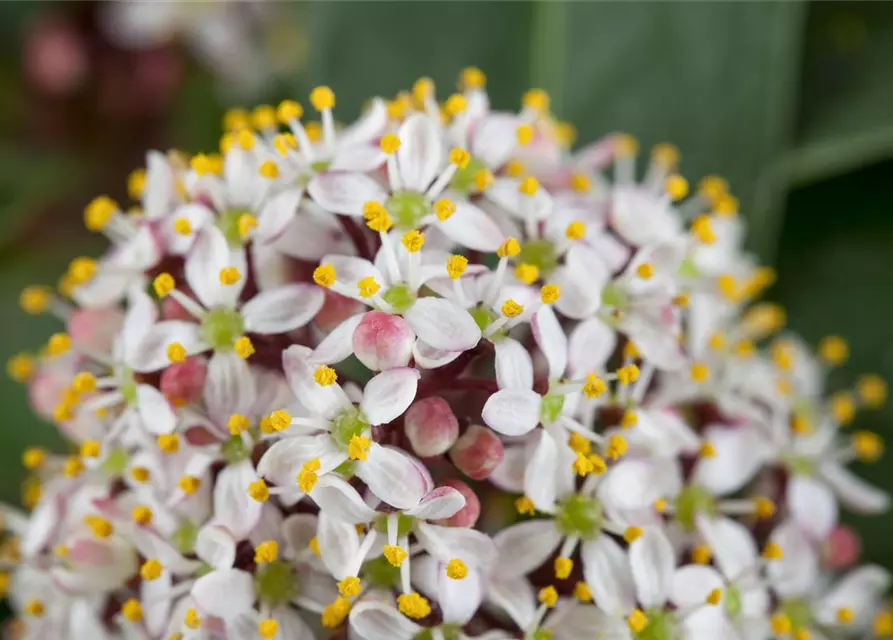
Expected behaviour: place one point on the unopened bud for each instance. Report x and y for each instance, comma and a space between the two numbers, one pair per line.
468, 515
382, 341
477, 452
184, 382
431, 427
842, 548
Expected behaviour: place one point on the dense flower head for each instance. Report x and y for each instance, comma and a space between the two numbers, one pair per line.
434, 375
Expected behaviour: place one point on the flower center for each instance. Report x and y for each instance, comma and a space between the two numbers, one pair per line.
401, 297
551, 407
346, 425
539, 253
688, 269
447, 631
798, 612
579, 516
801, 465
407, 208
661, 626
381, 573
276, 583
127, 387
691, 501
404, 524
184, 537
464, 179
320, 165
221, 327
228, 223
115, 462
732, 599
234, 450
614, 296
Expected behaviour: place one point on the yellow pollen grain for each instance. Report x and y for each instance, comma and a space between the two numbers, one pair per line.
395, 554
413, 241
324, 275
283, 142
700, 372
456, 569
529, 186
58, 344
413, 605
456, 266
773, 551
246, 140
780, 623
665, 154
629, 419
189, 484
422, 89
581, 183
33, 458
548, 596
389, 143
151, 570
90, 449
460, 157
259, 491
509, 248
84, 382
582, 592
714, 597
268, 628
701, 554
140, 474
266, 551
515, 168
628, 374
524, 134
660, 505
81, 270
706, 450
455, 104
35, 608
632, 534
833, 350
163, 284
444, 209
169, 443
483, 178
676, 187
626, 146
843, 407
576, 230
764, 508
511, 309
358, 447
176, 352
536, 99
289, 110
349, 587
645, 271
563, 568
269, 169
524, 506
99, 213
229, 276
872, 390
550, 293
868, 446
243, 347
527, 273
100, 527
472, 78
237, 423
34, 299
136, 184
263, 117
845, 615
617, 447
322, 98
637, 620
142, 515
280, 419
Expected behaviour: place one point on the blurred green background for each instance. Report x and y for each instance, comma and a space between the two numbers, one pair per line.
792, 102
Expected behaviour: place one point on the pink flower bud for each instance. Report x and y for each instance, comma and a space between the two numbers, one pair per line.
382, 341
842, 548
477, 452
183, 382
431, 426
55, 57
335, 310
95, 328
467, 516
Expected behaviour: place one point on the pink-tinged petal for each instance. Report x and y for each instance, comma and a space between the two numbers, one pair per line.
98, 329
229, 387
225, 594
338, 345
854, 493
393, 477
494, 139
151, 354
796, 573
312, 233
441, 503
282, 462
842, 548
551, 340
474, 548
468, 515
514, 368
341, 501
216, 546
477, 452
813, 505
512, 412
383, 341
642, 217
732, 545
369, 126
607, 572
210, 255
443, 325
740, 453
509, 475
339, 545
590, 345
430, 426
345, 193
420, 152
374, 620
859, 590
198, 215
282, 309
389, 394
184, 382
106, 288
471, 228
299, 368
277, 213
427, 357
155, 410
525, 546
653, 563
692, 584
233, 507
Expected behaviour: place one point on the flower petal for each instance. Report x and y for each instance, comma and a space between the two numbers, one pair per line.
151, 354
474, 548
636, 484
225, 594
859, 590
813, 505
345, 193
855, 494
389, 394
393, 477
155, 410
692, 584
441, 503
515, 596
368, 126
216, 546
282, 309
514, 368
541, 474
373, 620
338, 345
320, 401
653, 563
208, 257
796, 572
282, 462
732, 545
494, 139
420, 152
471, 228
512, 412
339, 545
525, 546
551, 340
277, 213
443, 324
607, 572
740, 453
229, 386
233, 507
590, 345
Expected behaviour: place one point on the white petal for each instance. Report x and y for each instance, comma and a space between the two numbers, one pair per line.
514, 368
525, 546
427, 357
740, 453
606, 571
420, 152
666, 433
282, 462
358, 159
582, 280
854, 493
541, 474
282, 309
198, 215
229, 386
85, 622
796, 573
155, 410
443, 325
494, 139
225, 594
551, 340
515, 596
208, 257
459, 599
277, 213
471, 228
379, 621
732, 545
653, 562
692, 584
320, 401
509, 475
389, 394
859, 590
812, 505
658, 344
441, 503
345, 193
591, 343
142, 313
338, 545
512, 412
341, 501
394, 477
298, 530
233, 507
216, 546
636, 484
709, 623
368, 126
151, 354
474, 548
338, 345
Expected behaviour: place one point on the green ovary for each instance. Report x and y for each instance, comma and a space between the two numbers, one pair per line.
404, 524
408, 208
691, 501
551, 408
184, 537
614, 296
541, 254
228, 223
381, 573
661, 626
448, 632
276, 583
732, 598
579, 516
221, 327
798, 612
464, 179
400, 297
346, 425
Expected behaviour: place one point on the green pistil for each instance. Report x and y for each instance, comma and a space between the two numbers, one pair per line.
381, 573
228, 223
221, 327
798, 612
661, 626
541, 254
551, 408
276, 583
404, 524
128, 387
320, 165
614, 296
448, 631
688, 269
579, 516
346, 425
407, 208
801, 465
732, 599
464, 179
235, 450
115, 462
691, 501
400, 297
184, 537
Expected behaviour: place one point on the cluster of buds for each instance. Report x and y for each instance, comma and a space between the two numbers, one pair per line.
432, 375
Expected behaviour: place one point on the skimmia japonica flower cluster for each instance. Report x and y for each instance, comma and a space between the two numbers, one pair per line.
434, 376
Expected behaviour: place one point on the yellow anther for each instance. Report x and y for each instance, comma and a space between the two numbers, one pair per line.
509, 248
527, 273
701, 554
660, 505
235, 119
882, 625
728, 287
565, 134
358, 447
711, 187
314, 131
132, 610
563, 568
599, 466
35, 299
349, 587
413, 605
548, 596
745, 349
665, 154
628, 374
151, 569
631, 534
515, 168
81, 270
192, 620
629, 419
455, 105
73, 467
264, 117
169, 443
33, 458
460, 157
176, 352
324, 275
91, 449
243, 347
322, 98
617, 447
289, 110
780, 623
872, 390
706, 450
726, 205
282, 142
536, 99
398, 106
625, 145
136, 183
456, 569
645, 271
524, 506
833, 350
763, 507
637, 621
845, 615
280, 420
246, 139
58, 344
511, 309
389, 143
422, 89
163, 284
700, 372
259, 491
868, 446
307, 477
773, 551
784, 387
313, 545
237, 423
783, 355
413, 241
377, 217
229, 276
702, 229
142, 515
20, 367
524, 134
269, 169
325, 375
268, 628
202, 165
717, 342
99, 213
582, 466
140, 474
582, 592
575, 230
35, 608
843, 407
529, 186
581, 183
84, 382
444, 209
395, 554
456, 266
334, 614
266, 551
483, 178
802, 634
100, 527
714, 597
472, 78
676, 187
189, 484
630, 351
549, 293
